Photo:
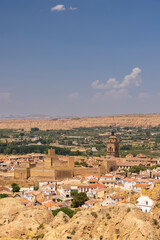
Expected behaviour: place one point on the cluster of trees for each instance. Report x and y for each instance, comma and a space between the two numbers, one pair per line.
6, 148
35, 129
126, 147
137, 169
154, 167
134, 169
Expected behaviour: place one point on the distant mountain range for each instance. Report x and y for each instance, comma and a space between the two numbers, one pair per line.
30, 116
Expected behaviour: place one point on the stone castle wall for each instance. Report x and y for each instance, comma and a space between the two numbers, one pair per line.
86, 171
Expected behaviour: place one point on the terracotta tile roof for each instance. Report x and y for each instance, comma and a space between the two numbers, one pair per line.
25, 201
50, 204
95, 181
42, 200
140, 185
141, 180
122, 201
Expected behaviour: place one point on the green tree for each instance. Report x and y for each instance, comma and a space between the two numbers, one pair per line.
79, 199
15, 187
76, 163
36, 129
3, 195
84, 164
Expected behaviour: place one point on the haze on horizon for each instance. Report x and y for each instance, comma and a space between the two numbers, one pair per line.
79, 58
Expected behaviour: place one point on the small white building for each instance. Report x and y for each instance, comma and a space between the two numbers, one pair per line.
144, 203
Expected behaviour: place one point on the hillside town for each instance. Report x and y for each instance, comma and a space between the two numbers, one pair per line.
54, 181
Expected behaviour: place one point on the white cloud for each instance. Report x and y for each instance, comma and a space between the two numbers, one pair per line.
117, 94
73, 96
73, 8
58, 8
113, 83
112, 95
61, 7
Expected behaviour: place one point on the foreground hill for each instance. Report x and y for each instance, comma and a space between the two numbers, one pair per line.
123, 222
142, 120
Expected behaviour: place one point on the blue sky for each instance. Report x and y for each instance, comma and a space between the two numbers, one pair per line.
79, 57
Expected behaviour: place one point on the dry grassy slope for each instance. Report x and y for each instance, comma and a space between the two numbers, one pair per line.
120, 120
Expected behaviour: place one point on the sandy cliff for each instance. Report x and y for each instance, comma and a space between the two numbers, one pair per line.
145, 120
123, 222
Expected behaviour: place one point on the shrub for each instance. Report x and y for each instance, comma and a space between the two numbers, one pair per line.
155, 221
128, 210
66, 210
40, 235
36, 188
73, 232
94, 214
59, 200
41, 226
3, 195
108, 216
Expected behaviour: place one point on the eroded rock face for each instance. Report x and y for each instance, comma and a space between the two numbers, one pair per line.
123, 222
16, 220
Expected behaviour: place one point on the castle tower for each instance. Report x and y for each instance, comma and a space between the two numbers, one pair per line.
113, 146
50, 159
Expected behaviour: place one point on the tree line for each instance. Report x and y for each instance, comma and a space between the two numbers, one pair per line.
6, 148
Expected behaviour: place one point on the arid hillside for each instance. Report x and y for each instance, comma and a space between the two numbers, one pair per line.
123, 222
134, 120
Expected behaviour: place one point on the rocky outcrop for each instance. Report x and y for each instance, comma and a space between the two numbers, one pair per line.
122, 222
16, 220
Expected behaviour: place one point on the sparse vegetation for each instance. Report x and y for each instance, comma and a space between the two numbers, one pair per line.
41, 226
108, 216
66, 210
94, 214
128, 210
73, 232
40, 235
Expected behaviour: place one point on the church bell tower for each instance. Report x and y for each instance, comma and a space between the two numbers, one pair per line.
113, 146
